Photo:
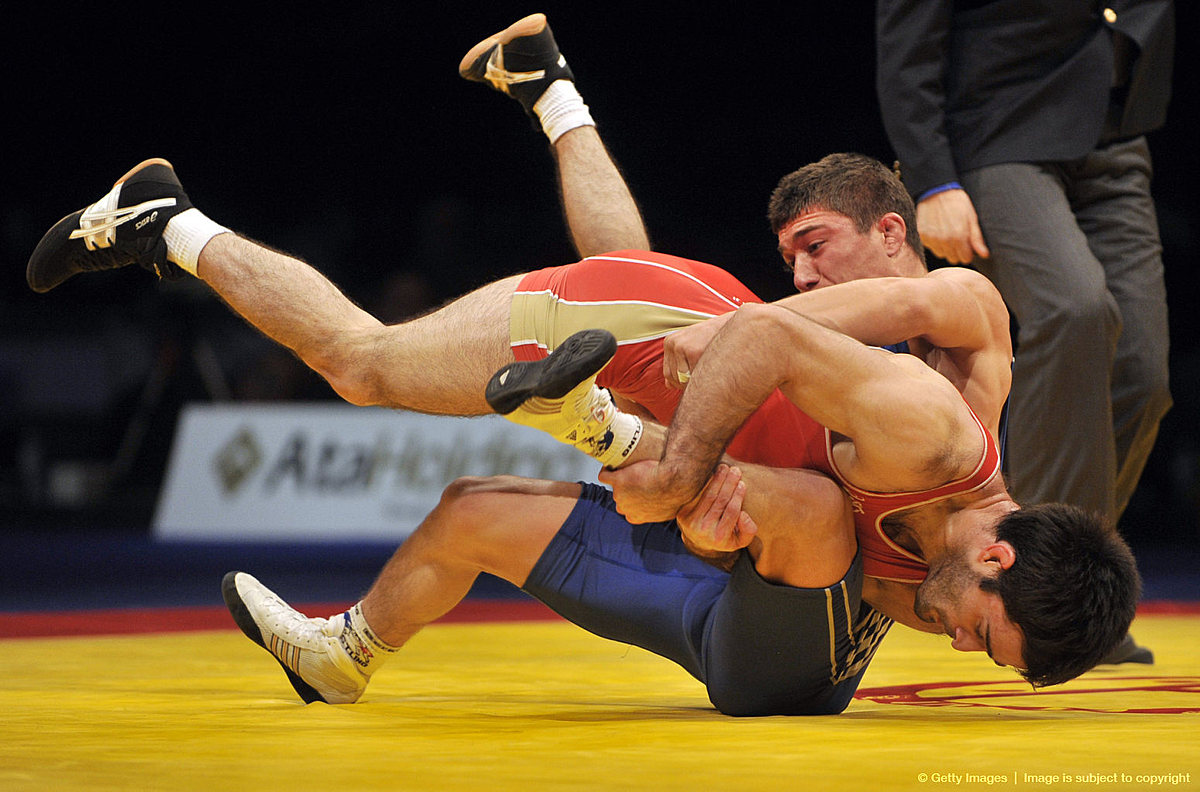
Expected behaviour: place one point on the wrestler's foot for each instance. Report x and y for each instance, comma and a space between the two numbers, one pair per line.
1128, 651
309, 650
558, 394
522, 61
122, 228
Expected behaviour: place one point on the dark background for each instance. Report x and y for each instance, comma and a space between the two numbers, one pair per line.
341, 133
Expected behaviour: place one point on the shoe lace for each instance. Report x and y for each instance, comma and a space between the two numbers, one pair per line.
500, 78
289, 623
593, 412
98, 223
596, 407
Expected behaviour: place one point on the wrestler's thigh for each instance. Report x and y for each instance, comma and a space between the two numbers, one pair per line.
781, 650
636, 584
502, 524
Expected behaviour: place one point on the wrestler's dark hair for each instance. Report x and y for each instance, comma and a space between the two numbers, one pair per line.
1072, 589
858, 186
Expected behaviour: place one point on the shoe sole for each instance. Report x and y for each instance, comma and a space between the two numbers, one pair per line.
581, 356
529, 26
245, 622
142, 165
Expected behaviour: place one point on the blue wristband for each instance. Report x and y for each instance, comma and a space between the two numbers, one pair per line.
947, 186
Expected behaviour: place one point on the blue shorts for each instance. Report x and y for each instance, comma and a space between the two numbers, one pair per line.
759, 648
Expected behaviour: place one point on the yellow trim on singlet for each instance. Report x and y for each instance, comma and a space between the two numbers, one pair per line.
832, 633
544, 319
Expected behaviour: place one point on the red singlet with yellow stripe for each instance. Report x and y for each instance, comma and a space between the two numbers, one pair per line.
642, 297
883, 558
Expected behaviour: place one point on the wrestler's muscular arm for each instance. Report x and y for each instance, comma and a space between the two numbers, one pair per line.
909, 429
955, 316
876, 311
947, 307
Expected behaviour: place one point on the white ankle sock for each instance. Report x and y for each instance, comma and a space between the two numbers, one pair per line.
359, 641
561, 109
186, 235
627, 433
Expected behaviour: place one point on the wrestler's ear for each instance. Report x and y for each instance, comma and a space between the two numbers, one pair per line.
894, 231
1000, 554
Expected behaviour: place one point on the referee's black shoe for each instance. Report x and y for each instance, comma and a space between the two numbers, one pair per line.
122, 228
1128, 651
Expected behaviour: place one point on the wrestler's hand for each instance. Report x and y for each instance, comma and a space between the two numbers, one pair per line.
949, 227
714, 523
682, 349
646, 491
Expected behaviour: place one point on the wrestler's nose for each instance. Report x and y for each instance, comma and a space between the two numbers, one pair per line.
965, 641
805, 276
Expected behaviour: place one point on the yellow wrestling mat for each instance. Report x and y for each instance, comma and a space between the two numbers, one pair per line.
544, 705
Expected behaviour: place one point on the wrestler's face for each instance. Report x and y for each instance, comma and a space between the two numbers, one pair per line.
975, 620
822, 247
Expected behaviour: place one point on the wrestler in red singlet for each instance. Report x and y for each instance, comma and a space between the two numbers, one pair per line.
641, 297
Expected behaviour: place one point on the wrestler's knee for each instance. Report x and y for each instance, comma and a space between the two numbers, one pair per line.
458, 526
350, 377
356, 390
737, 700
470, 499
466, 494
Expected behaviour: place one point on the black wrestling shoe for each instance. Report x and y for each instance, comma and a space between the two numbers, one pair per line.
522, 61
122, 228
559, 395
571, 367
1128, 651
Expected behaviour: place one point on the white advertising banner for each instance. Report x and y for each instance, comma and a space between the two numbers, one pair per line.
334, 472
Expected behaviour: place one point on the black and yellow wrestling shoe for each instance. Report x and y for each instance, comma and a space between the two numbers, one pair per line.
522, 61
558, 395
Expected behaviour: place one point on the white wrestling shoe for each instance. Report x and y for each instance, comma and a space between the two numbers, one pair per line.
558, 395
310, 650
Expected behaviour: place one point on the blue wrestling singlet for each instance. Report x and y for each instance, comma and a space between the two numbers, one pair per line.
760, 648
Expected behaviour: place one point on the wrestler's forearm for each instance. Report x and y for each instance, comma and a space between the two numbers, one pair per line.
876, 311
733, 378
